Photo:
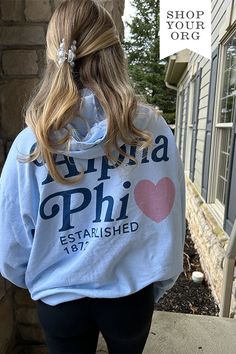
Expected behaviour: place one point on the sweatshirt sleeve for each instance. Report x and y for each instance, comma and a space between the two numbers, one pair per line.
14, 254
181, 179
161, 287
16, 224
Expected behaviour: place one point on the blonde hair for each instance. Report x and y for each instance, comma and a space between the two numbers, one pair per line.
102, 67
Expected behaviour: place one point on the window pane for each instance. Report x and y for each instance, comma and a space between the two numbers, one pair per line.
223, 164
231, 52
229, 109
220, 189
194, 99
227, 102
232, 81
234, 59
226, 83
223, 110
229, 77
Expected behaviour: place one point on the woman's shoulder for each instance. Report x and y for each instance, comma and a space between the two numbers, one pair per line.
150, 119
20, 148
24, 141
25, 134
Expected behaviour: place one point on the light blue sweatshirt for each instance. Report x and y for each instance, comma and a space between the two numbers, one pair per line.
110, 235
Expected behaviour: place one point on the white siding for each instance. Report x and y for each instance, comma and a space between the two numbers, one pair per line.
219, 8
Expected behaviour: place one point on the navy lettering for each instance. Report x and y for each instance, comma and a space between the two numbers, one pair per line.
66, 209
118, 230
71, 238
90, 167
70, 164
133, 226
133, 150
99, 202
126, 228
107, 231
63, 240
163, 147
86, 233
124, 203
144, 157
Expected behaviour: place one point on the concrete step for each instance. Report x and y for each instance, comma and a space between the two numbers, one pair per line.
178, 333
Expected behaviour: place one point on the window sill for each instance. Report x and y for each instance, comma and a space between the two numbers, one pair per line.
218, 212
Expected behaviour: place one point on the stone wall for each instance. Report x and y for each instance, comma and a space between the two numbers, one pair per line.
23, 25
22, 39
210, 241
7, 322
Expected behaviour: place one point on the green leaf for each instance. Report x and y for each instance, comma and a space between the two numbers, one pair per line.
146, 70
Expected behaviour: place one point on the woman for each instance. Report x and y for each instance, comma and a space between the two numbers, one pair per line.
92, 194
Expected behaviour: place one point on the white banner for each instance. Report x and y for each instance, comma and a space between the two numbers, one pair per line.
185, 24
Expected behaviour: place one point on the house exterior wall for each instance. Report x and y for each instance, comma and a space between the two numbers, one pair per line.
23, 25
205, 216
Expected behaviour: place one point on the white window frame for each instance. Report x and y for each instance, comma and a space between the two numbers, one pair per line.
189, 123
216, 207
177, 120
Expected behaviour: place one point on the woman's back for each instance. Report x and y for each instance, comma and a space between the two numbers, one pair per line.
92, 194
120, 228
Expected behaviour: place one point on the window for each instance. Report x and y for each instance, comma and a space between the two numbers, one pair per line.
225, 118
195, 113
189, 122
193, 82
181, 116
178, 119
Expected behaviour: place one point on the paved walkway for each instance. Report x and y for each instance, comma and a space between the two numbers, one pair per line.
179, 333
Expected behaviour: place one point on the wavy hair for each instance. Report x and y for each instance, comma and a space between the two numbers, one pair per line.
101, 66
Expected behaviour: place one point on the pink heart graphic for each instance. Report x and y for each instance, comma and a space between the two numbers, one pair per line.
155, 201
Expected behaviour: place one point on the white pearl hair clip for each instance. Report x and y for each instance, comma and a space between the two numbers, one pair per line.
63, 55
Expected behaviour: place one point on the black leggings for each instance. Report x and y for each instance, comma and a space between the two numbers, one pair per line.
73, 326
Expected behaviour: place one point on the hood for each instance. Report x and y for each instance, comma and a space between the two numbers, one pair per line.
88, 129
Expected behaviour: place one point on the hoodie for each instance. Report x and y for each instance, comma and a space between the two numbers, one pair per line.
116, 231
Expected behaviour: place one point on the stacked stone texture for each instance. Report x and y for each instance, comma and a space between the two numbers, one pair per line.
23, 26
211, 242
22, 43
22, 40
